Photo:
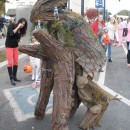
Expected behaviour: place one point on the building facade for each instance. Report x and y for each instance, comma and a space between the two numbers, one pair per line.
75, 5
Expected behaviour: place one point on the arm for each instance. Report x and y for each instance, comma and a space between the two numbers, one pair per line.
12, 30
93, 27
17, 28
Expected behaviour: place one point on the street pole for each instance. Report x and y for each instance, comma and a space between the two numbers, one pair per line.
68, 4
104, 10
82, 7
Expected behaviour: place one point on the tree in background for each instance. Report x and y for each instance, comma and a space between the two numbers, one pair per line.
1, 3
2, 6
108, 14
124, 12
91, 13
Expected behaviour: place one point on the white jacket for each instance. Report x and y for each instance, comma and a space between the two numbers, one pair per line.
111, 31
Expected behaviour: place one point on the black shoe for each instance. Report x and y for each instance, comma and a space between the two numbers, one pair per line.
100, 70
12, 82
15, 67
16, 79
110, 60
11, 76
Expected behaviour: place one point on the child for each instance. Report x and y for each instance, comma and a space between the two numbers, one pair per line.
106, 39
35, 62
101, 36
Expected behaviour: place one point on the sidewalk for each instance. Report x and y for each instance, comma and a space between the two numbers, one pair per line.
2, 43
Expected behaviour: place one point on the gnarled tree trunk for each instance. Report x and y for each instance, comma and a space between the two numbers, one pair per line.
46, 87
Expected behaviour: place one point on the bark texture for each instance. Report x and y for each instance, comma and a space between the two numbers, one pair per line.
47, 82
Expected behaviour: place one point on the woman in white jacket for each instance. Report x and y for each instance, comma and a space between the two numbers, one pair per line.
116, 33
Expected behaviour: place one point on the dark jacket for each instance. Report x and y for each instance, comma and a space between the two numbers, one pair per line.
2, 21
12, 39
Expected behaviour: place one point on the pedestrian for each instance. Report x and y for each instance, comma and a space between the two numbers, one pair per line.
106, 39
14, 33
35, 62
2, 24
128, 42
116, 39
125, 27
98, 25
120, 32
111, 32
97, 28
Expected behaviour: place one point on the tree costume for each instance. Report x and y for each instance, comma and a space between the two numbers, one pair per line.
71, 57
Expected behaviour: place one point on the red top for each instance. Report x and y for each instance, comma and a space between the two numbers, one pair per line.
95, 27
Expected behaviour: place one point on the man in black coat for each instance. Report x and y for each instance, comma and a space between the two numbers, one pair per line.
2, 22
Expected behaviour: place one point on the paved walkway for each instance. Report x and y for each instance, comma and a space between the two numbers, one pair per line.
2, 43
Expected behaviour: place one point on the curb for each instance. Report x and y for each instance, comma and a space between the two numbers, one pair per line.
4, 63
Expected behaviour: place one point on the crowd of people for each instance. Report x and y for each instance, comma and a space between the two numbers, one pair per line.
108, 34
111, 33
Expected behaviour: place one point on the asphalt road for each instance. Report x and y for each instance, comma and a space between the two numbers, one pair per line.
13, 116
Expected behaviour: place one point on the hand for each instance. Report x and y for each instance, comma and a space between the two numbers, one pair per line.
20, 41
104, 36
20, 25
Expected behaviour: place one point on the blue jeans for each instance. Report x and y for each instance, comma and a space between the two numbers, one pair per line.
101, 42
109, 49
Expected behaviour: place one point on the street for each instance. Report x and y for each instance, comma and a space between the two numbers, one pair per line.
69, 32
17, 103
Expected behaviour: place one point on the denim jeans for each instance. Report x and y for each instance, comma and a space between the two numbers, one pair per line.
109, 49
101, 42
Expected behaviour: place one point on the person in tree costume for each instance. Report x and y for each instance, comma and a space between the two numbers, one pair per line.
71, 56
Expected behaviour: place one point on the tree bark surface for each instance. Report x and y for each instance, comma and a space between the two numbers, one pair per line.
63, 66
47, 82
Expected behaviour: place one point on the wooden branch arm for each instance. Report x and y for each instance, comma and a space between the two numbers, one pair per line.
33, 50
50, 45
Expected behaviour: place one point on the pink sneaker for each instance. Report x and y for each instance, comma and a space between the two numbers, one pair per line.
128, 65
